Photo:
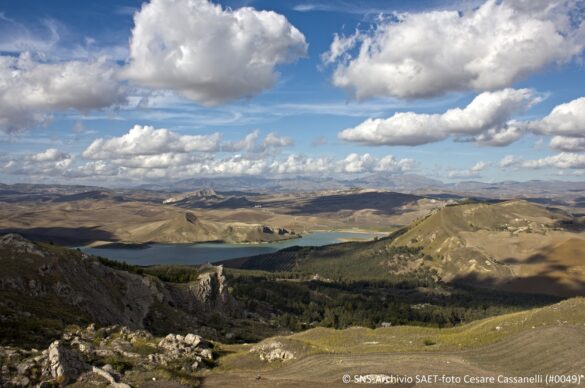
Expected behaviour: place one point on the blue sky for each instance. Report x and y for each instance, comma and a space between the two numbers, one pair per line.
304, 102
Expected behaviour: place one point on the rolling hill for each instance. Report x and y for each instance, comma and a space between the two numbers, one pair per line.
188, 228
88, 219
513, 245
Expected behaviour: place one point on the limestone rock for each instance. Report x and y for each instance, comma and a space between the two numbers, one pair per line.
110, 376
193, 339
79, 357
272, 351
178, 347
64, 365
19, 244
210, 289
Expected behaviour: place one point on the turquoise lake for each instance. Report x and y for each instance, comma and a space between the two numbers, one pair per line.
211, 252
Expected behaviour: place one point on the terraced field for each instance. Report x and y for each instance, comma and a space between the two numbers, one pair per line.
549, 340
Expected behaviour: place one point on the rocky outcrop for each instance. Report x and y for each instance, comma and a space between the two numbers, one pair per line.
279, 231
210, 290
272, 351
285, 232
87, 289
84, 356
63, 364
18, 244
178, 348
205, 297
203, 193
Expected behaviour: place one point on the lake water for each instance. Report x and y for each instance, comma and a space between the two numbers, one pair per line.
208, 253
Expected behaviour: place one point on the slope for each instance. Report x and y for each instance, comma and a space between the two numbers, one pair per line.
514, 245
188, 228
548, 340
43, 288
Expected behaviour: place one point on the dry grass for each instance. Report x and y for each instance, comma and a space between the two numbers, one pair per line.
546, 340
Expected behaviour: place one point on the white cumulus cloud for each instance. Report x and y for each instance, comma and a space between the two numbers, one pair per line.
147, 140
473, 172
301, 165
486, 120
274, 140
50, 162
564, 160
177, 165
356, 163
250, 143
509, 160
389, 163
419, 55
207, 53
570, 144
49, 155
566, 119
31, 90
566, 123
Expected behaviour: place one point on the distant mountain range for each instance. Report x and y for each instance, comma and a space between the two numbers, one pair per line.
406, 182
546, 192
299, 183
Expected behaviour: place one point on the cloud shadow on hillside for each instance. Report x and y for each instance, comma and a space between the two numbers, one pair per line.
63, 236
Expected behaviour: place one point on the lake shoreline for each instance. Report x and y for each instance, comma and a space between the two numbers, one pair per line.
210, 252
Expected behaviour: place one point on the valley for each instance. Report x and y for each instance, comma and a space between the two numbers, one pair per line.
359, 282
291, 194
149, 217
511, 245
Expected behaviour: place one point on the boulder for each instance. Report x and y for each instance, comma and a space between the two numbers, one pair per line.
272, 351
193, 339
64, 365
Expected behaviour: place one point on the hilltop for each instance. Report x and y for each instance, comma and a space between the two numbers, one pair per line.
515, 245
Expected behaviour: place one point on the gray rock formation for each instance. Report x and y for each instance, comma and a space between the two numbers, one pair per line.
70, 360
19, 244
64, 365
210, 289
107, 295
272, 351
